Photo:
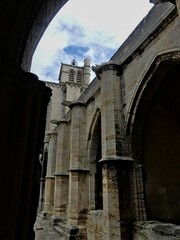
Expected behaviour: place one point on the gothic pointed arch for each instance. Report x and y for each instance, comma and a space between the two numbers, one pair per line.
93, 123
155, 137
95, 155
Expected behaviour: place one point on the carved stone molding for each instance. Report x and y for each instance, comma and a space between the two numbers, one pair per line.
98, 69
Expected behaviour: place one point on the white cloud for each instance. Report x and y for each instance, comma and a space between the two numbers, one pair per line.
100, 27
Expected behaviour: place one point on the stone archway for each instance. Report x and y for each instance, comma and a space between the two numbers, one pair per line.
156, 142
95, 155
95, 215
161, 151
23, 104
45, 14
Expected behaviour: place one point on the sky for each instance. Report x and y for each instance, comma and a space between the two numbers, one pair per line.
83, 28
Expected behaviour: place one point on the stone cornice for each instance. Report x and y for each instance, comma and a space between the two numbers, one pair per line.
116, 160
52, 133
147, 30
77, 103
50, 177
98, 69
52, 84
61, 174
62, 121
79, 170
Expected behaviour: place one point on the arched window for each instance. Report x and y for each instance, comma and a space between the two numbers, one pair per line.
96, 191
160, 147
98, 178
71, 75
79, 75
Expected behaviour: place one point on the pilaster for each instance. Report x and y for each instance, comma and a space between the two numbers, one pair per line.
116, 174
116, 166
50, 178
43, 161
111, 116
61, 172
78, 182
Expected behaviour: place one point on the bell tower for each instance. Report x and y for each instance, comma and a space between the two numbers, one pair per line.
73, 80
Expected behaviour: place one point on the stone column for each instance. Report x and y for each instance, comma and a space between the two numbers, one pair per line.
79, 174
115, 162
110, 202
23, 104
61, 172
50, 178
116, 198
111, 123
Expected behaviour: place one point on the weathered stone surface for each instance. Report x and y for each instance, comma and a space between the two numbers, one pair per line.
156, 231
109, 162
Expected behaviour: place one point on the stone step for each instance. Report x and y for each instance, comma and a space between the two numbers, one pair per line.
69, 232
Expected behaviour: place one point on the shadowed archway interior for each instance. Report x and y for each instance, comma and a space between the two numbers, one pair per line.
161, 150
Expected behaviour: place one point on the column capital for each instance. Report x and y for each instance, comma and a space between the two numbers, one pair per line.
98, 69
46, 138
77, 103
50, 177
52, 133
63, 120
57, 122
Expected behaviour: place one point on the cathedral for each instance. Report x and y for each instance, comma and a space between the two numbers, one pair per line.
100, 159
110, 156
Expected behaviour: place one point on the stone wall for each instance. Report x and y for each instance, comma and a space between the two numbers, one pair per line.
101, 133
95, 225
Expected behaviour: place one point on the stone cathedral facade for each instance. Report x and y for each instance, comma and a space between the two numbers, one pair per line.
112, 147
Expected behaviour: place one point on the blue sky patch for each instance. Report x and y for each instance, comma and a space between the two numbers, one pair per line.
76, 51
